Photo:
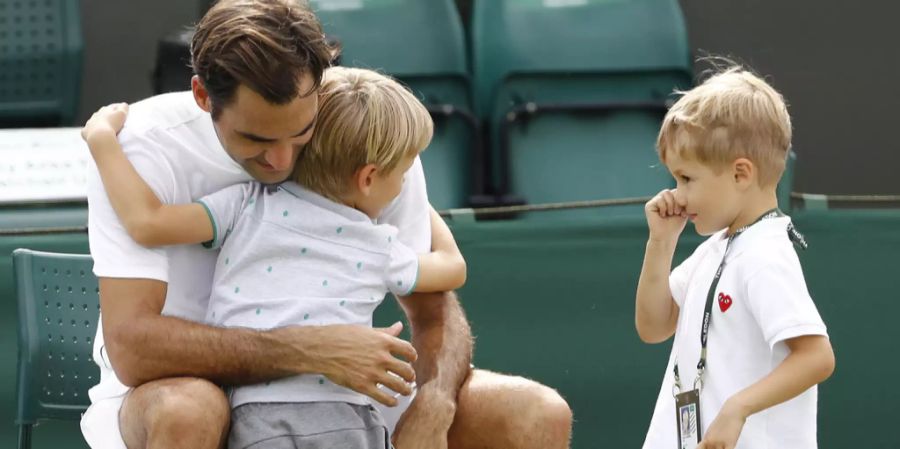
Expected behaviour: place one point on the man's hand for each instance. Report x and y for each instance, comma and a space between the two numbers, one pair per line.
427, 421
665, 217
724, 431
109, 120
356, 357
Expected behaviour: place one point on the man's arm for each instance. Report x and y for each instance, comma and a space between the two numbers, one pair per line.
144, 345
440, 332
443, 341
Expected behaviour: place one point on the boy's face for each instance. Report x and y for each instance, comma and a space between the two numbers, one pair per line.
262, 137
385, 188
710, 197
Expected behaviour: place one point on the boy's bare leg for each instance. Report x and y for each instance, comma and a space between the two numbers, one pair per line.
496, 411
175, 413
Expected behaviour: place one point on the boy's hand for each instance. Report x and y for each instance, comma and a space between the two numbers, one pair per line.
109, 120
724, 431
665, 217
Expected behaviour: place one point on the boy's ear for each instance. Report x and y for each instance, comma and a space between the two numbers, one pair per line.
365, 178
744, 172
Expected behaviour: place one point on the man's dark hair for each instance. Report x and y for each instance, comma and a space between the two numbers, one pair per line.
266, 45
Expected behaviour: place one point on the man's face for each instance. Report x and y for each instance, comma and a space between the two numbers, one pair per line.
265, 138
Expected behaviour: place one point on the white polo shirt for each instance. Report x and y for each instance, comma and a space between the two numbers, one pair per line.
292, 257
173, 145
764, 302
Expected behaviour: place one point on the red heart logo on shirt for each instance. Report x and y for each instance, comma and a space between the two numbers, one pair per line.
724, 302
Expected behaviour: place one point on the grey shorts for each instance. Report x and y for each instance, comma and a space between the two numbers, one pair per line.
308, 425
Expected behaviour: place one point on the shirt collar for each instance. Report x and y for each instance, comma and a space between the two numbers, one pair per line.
755, 234
308, 195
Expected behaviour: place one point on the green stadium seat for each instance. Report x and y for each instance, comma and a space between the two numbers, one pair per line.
573, 92
58, 305
40, 62
422, 44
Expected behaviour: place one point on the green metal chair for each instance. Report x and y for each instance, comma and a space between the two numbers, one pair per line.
40, 62
422, 44
58, 304
574, 93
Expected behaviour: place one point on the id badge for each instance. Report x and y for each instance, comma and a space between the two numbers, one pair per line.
687, 416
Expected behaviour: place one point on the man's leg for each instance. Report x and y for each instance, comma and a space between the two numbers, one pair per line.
175, 413
496, 411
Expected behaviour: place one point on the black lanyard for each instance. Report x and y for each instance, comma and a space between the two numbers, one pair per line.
793, 235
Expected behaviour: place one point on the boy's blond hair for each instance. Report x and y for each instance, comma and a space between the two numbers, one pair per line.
364, 118
731, 115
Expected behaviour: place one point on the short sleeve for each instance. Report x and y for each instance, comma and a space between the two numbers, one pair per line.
225, 206
402, 270
115, 253
410, 211
780, 302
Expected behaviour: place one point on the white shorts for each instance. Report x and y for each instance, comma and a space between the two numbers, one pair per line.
100, 423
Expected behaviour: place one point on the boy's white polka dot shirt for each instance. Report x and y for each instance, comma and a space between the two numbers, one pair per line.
292, 257
760, 302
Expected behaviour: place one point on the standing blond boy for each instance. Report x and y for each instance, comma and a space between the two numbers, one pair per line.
750, 346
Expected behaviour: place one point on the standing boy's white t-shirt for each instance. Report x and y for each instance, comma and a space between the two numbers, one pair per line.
173, 145
764, 302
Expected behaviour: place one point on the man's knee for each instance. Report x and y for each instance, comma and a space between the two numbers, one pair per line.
500, 411
188, 404
547, 410
537, 409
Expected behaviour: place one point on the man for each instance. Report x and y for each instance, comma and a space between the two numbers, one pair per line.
253, 104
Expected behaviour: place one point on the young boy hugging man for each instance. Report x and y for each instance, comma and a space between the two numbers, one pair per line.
750, 346
307, 252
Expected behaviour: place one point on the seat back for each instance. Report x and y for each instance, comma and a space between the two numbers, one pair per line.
420, 43
58, 309
575, 37
574, 92
401, 37
40, 62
